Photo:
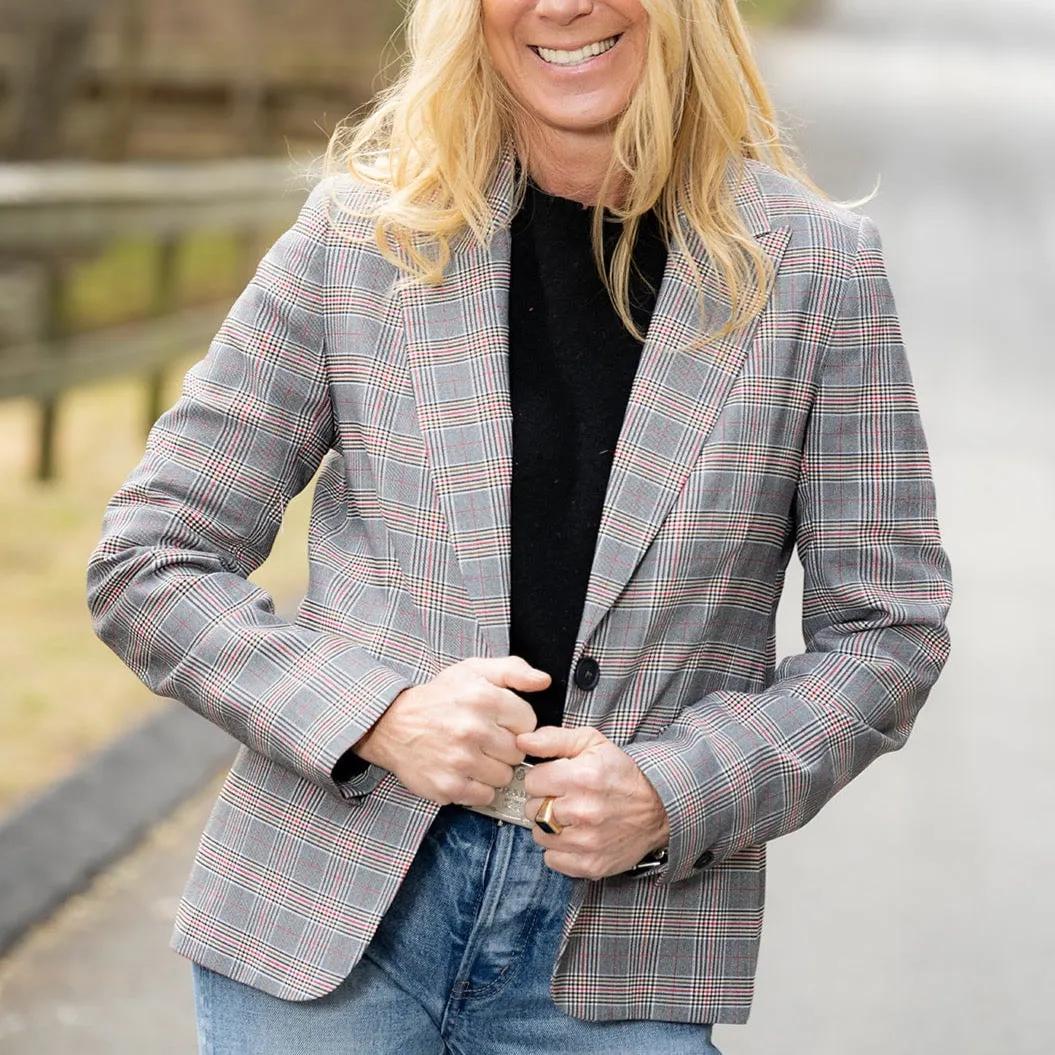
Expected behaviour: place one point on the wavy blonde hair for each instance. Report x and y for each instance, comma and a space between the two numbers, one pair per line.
433, 143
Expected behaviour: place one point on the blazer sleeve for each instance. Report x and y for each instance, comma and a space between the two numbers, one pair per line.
738, 769
167, 584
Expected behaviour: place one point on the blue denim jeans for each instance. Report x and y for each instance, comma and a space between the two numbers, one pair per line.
459, 966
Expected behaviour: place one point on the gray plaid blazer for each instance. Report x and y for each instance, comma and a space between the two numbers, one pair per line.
800, 431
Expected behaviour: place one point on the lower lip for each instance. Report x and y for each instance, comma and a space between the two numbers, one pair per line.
580, 67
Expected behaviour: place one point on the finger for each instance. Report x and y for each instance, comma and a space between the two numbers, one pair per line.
502, 745
531, 809
556, 742
575, 865
475, 793
491, 772
548, 778
513, 713
512, 672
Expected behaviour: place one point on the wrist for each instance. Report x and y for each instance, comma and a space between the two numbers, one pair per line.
658, 847
661, 839
363, 747
372, 746
664, 833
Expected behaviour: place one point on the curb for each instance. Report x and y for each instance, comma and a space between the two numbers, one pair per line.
52, 846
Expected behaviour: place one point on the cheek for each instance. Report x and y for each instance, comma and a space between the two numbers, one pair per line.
504, 55
640, 52
497, 32
634, 11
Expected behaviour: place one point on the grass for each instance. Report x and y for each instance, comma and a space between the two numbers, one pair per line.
209, 265
64, 693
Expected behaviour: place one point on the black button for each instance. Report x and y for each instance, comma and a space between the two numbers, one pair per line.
587, 674
704, 860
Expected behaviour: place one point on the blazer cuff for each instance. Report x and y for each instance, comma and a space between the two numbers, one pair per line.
355, 777
675, 782
351, 776
362, 783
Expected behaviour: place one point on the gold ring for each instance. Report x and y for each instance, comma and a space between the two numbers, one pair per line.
545, 819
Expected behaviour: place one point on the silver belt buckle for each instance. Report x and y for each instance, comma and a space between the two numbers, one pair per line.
509, 801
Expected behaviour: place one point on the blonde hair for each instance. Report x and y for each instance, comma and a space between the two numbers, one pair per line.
433, 143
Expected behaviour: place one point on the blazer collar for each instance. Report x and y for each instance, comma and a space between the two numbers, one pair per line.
749, 199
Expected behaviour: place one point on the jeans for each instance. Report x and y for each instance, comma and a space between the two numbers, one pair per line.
459, 966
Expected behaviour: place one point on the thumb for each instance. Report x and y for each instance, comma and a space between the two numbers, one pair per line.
552, 741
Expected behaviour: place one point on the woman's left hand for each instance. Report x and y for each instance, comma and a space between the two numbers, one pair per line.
611, 815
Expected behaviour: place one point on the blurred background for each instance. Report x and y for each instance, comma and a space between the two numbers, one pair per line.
151, 149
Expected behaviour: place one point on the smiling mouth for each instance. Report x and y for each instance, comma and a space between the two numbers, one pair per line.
577, 57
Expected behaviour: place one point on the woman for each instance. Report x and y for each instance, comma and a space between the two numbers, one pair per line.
582, 360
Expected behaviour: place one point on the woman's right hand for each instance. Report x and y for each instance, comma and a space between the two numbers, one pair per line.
453, 739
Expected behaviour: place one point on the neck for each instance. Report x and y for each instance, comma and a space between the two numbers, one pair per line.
570, 165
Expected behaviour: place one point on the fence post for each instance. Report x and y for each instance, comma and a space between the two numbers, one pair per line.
51, 58
127, 87
52, 328
248, 86
165, 294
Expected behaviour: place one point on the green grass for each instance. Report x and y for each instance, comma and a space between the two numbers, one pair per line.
119, 285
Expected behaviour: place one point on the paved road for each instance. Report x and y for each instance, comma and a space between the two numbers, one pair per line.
98, 979
987, 24
912, 917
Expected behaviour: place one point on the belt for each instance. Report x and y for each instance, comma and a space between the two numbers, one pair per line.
508, 804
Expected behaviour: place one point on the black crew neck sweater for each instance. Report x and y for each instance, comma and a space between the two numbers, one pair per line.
571, 368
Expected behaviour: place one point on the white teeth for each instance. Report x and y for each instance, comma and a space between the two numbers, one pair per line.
573, 58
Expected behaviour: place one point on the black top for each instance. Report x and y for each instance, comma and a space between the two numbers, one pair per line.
571, 366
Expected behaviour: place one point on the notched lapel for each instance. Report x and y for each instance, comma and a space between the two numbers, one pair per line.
677, 396
457, 346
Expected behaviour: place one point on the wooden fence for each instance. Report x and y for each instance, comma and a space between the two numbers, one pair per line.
113, 80
52, 215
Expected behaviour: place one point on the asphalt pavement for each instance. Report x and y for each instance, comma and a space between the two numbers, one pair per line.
98, 978
912, 917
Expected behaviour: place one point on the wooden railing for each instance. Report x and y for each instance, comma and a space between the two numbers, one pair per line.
51, 215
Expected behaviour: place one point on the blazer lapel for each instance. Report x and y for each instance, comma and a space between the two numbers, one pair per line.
676, 398
457, 345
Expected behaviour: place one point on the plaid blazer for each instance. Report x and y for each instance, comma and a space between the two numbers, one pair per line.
800, 431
